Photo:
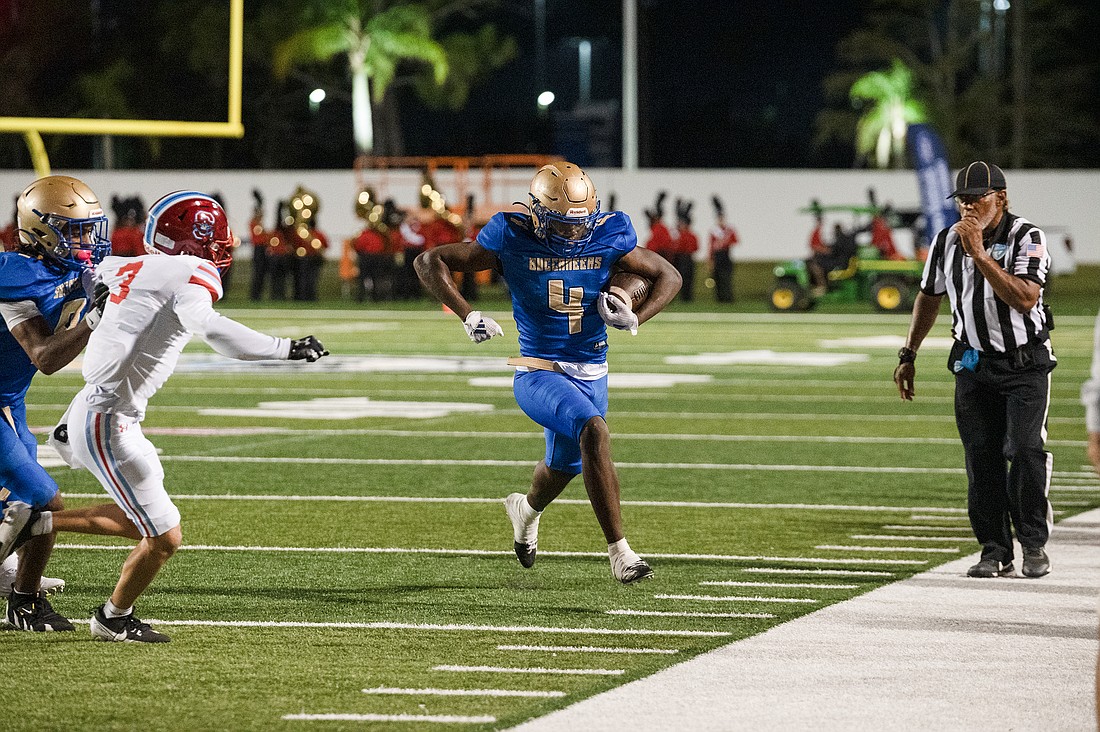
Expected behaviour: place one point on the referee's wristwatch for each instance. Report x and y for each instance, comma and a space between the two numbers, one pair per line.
906, 355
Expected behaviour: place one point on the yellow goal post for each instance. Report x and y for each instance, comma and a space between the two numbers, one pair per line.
33, 127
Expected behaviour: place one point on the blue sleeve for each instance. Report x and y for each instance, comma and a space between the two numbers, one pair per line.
491, 235
617, 233
17, 279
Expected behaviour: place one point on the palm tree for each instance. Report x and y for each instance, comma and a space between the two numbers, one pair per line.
882, 127
373, 42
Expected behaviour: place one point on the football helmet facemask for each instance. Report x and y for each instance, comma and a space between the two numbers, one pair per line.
564, 207
188, 222
61, 221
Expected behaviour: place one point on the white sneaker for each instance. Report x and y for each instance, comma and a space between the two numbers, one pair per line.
627, 567
16, 516
525, 530
48, 586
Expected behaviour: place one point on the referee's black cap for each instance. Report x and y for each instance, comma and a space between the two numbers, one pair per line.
977, 178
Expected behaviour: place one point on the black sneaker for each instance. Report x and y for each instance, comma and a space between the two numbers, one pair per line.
33, 612
991, 568
126, 629
1036, 562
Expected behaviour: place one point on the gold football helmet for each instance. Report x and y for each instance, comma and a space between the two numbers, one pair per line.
61, 221
564, 207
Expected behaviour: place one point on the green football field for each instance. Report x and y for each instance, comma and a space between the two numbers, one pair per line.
347, 557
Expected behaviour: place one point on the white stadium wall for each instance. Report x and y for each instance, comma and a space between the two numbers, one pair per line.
761, 204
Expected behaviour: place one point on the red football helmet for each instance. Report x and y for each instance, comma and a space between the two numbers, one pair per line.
188, 222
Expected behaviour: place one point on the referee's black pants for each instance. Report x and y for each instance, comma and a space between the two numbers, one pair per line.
1001, 413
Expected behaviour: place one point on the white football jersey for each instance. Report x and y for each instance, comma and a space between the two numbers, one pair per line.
157, 303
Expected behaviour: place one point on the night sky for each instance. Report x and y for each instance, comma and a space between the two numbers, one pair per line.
740, 81
722, 84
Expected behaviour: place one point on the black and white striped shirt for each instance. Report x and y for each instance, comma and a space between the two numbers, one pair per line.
980, 319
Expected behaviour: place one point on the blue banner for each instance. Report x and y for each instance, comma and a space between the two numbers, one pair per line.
933, 179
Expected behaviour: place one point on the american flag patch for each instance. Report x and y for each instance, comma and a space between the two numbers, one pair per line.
1035, 246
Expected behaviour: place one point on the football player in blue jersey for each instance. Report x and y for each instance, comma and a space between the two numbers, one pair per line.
45, 321
557, 259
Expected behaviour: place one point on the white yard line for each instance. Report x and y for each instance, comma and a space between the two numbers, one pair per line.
917, 527
893, 537
824, 572
737, 598
916, 517
463, 692
725, 416
677, 614
800, 585
456, 627
560, 501
496, 553
533, 670
923, 550
590, 649
419, 718
527, 464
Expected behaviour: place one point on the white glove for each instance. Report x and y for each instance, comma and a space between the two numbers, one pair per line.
99, 301
617, 313
481, 329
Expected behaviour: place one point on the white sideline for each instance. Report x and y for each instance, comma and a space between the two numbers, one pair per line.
936, 651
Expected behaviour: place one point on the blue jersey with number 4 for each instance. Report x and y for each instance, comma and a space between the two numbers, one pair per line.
59, 298
554, 296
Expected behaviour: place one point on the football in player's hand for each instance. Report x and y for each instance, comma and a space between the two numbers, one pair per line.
629, 287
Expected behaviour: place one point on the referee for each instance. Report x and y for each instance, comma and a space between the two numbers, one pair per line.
993, 265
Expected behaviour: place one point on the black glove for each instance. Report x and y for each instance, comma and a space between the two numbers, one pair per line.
308, 348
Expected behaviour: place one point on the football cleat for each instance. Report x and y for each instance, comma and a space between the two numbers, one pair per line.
48, 586
525, 531
127, 629
15, 528
34, 613
627, 567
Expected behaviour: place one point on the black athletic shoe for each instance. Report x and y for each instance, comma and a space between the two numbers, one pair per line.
991, 568
33, 612
1036, 562
126, 629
